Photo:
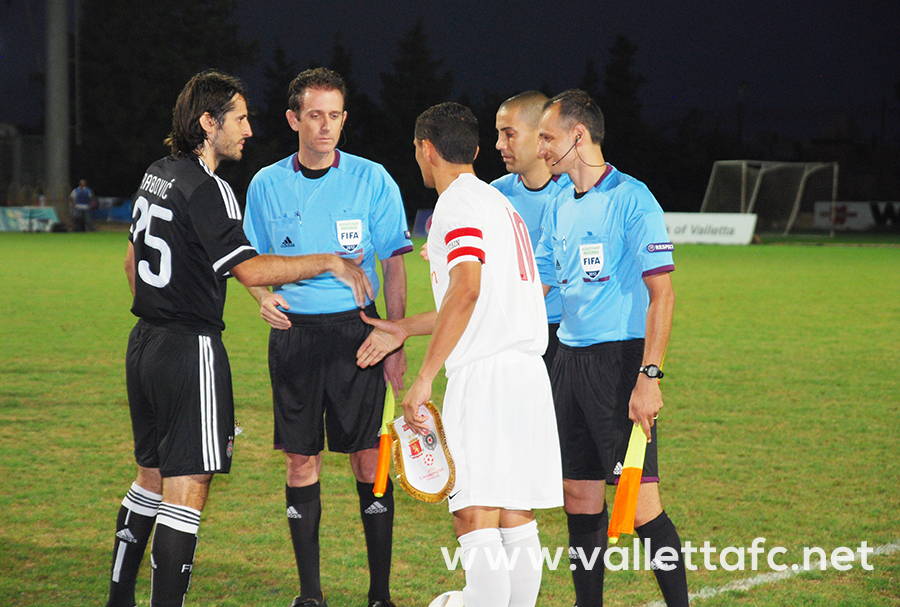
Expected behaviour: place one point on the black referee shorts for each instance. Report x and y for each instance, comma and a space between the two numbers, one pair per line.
552, 345
179, 393
317, 386
591, 389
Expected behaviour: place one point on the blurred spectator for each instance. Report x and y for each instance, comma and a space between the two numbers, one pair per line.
83, 202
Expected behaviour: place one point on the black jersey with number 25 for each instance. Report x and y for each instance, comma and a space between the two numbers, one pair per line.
187, 236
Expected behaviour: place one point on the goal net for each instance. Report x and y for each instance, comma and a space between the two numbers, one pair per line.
782, 194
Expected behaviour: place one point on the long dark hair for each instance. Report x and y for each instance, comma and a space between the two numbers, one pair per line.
210, 91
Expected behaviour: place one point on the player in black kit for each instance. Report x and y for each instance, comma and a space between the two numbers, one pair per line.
186, 239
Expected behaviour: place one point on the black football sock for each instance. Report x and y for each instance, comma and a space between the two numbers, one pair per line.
661, 533
377, 515
587, 544
133, 527
172, 555
304, 511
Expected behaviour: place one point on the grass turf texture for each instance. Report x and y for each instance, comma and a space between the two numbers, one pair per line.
780, 422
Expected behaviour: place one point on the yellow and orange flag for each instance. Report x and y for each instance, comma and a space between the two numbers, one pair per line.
625, 503
384, 446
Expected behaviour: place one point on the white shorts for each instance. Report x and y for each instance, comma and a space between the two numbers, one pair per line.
501, 429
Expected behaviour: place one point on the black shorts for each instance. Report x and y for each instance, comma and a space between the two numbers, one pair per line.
591, 389
179, 393
317, 386
552, 345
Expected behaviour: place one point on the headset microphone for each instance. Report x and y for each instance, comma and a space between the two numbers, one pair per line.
577, 137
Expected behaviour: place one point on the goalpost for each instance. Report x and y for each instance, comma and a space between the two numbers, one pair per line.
778, 192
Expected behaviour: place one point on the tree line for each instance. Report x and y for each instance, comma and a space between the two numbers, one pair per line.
141, 54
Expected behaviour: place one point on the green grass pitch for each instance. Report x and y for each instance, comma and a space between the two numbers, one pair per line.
782, 398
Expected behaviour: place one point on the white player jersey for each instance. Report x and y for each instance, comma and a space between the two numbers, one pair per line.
472, 221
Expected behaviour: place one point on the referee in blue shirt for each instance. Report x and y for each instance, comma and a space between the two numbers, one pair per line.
319, 200
605, 244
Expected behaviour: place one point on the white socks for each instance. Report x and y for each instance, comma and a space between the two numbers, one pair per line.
486, 586
524, 578
497, 574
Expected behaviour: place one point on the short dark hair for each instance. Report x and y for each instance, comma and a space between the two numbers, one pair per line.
209, 91
530, 105
578, 107
320, 78
452, 129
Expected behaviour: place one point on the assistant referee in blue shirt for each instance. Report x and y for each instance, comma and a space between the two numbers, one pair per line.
605, 244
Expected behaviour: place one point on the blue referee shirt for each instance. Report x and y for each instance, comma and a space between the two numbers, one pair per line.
531, 204
353, 208
598, 248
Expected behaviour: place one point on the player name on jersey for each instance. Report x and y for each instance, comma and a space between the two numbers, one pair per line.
155, 185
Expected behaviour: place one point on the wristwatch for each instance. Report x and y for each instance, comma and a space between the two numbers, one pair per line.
652, 371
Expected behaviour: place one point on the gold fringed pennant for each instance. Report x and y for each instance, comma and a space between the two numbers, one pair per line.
424, 465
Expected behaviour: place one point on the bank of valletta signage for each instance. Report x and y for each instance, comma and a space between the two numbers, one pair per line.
711, 228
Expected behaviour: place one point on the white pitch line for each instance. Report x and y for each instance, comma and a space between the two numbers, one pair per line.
775, 576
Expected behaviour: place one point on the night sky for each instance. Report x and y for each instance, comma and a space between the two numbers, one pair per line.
805, 64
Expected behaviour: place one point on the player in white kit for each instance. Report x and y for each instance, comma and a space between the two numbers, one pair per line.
489, 329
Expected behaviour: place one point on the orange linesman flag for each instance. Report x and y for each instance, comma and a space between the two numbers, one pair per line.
384, 445
625, 503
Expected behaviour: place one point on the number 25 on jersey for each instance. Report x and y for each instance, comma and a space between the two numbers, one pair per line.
146, 213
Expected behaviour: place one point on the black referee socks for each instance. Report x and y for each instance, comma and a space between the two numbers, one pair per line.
661, 533
587, 543
304, 511
377, 515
